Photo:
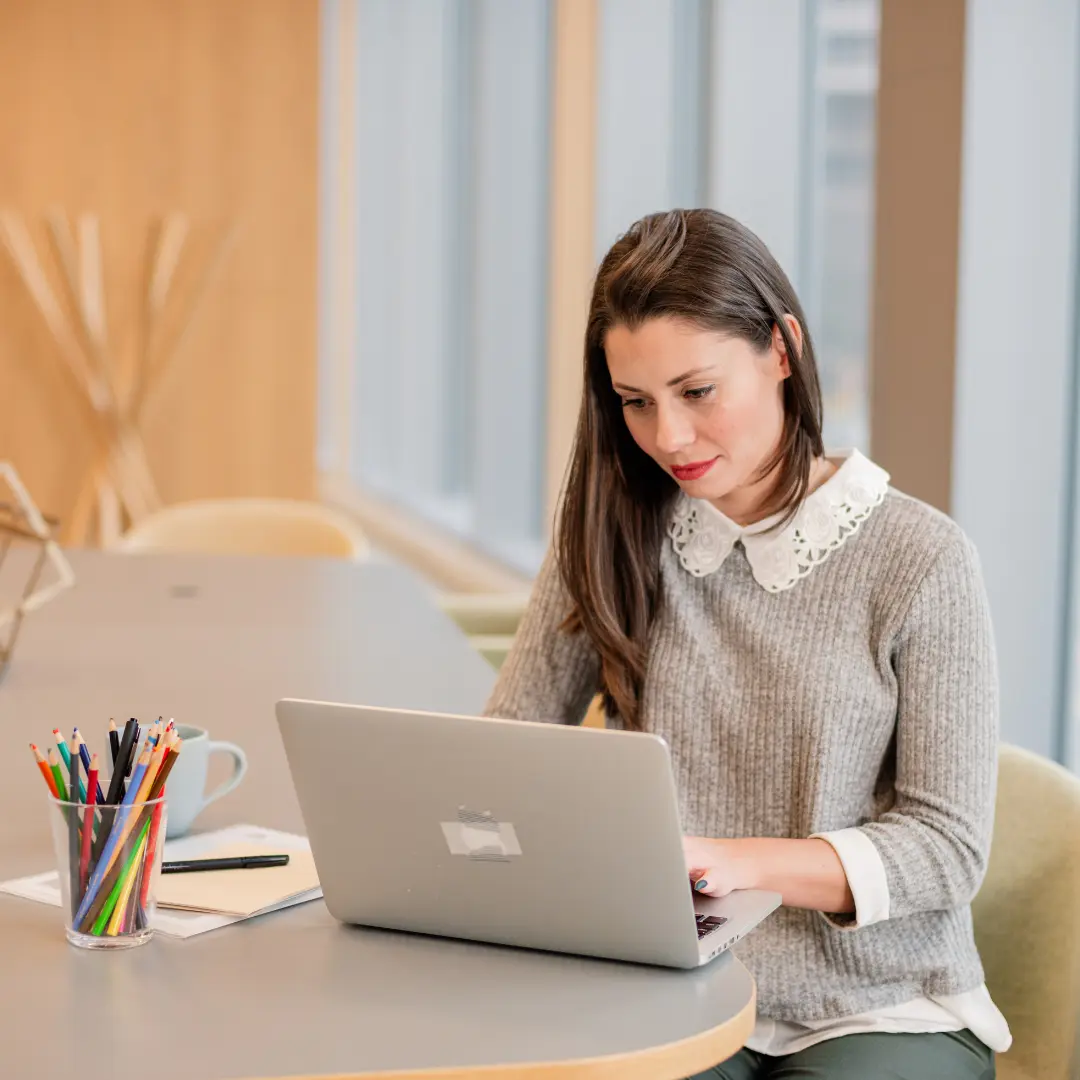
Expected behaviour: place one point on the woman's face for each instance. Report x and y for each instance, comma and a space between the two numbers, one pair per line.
706, 407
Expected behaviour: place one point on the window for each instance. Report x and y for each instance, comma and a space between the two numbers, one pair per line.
436, 234
450, 255
763, 109
838, 178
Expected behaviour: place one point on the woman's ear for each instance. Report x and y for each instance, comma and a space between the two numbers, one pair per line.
794, 329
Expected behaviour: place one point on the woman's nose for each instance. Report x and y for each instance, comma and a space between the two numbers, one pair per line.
674, 432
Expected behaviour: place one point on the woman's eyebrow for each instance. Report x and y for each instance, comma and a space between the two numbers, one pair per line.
671, 382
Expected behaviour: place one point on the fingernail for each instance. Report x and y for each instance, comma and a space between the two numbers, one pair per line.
700, 884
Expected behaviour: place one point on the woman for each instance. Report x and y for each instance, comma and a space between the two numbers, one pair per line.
814, 646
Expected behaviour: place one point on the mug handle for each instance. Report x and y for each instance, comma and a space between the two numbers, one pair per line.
240, 765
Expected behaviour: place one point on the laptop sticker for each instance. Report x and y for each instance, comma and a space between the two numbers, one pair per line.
480, 836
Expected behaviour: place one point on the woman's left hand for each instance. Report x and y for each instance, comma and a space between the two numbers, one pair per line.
714, 866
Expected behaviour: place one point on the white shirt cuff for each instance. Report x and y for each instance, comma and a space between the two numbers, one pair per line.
865, 875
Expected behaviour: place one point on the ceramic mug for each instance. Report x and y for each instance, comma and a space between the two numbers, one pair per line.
185, 790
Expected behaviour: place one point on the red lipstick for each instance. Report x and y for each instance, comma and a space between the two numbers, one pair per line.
694, 471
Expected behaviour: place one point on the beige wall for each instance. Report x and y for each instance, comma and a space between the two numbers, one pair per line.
132, 107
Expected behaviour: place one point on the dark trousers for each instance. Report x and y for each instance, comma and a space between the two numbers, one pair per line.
948, 1055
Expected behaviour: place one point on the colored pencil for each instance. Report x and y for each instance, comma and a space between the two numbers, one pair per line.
151, 855
100, 892
114, 743
58, 777
113, 796
172, 741
105, 913
134, 916
73, 774
62, 746
112, 866
92, 790
157, 755
131, 872
42, 764
65, 753
129, 917
84, 753
118, 835
109, 892
73, 832
116, 790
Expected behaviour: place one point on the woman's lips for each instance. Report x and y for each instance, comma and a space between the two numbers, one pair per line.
694, 471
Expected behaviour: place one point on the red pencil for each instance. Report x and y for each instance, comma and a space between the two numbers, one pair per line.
45, 771
151, 855
155, 821
88, 824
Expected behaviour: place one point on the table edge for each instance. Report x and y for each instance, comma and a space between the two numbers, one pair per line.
669, 1061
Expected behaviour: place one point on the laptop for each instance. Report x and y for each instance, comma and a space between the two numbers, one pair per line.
543, 836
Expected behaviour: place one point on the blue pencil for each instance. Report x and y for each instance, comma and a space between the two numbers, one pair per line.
84, 753
115, 834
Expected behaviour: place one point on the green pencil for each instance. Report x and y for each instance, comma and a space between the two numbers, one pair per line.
58, 776
106, 912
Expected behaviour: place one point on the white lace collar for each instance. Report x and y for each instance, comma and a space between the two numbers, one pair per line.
703, 537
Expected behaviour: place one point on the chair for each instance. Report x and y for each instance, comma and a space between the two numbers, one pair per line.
494, 648
490, 620
1027, 915
486, 614
248, 527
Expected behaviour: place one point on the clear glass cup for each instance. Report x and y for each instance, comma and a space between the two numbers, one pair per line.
109, 859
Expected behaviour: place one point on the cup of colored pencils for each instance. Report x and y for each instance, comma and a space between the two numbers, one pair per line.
108, 829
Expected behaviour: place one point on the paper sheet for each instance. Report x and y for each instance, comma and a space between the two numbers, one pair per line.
45, 888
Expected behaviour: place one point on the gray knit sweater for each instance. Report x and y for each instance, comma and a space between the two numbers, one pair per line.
864, 695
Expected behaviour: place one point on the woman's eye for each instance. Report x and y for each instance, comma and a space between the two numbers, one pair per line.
699, 392
633, 403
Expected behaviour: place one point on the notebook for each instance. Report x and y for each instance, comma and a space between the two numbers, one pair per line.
240, 892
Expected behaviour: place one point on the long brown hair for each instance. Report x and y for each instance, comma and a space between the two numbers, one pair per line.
704, 268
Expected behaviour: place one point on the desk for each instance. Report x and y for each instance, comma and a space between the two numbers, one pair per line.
215, 642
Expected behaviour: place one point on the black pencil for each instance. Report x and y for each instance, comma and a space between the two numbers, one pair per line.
73, 830
114, 741
73, 776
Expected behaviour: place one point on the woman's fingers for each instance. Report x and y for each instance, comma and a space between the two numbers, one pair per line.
705, 866
709, 881
699, 878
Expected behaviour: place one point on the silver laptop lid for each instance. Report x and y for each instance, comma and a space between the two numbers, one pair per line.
504, 831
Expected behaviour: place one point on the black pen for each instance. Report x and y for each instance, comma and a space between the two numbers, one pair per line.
238, 862
116, 782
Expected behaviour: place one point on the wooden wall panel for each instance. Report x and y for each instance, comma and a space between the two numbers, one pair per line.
128, 108
917, 243
573, 229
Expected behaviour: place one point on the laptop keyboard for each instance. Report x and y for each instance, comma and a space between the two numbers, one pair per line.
706, 924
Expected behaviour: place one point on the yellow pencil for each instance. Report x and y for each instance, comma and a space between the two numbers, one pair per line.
116, 920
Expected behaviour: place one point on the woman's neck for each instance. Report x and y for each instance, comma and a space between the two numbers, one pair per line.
755, 502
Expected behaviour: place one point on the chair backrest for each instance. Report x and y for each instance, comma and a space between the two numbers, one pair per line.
1027, 915
485, 613
248, 527
494, 648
